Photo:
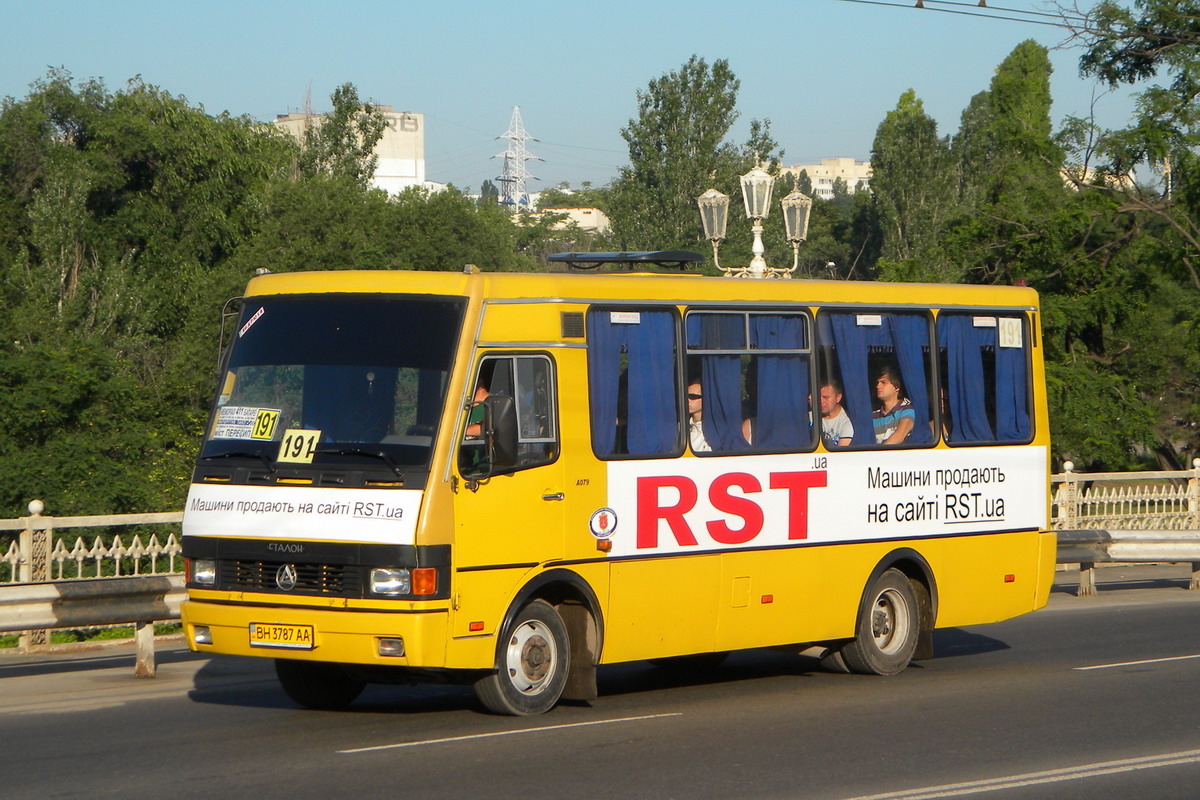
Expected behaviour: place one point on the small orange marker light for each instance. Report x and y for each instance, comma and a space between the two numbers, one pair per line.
604, 545
1010, 578
475, 626
424, 581
768, 598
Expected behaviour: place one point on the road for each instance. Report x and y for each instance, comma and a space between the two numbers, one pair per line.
1087, 698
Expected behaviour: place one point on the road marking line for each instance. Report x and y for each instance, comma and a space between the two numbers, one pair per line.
1038, 778
505, 733
1136, 663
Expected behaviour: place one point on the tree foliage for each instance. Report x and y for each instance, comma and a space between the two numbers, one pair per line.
677, 149
342, 142
913, 178
126, 219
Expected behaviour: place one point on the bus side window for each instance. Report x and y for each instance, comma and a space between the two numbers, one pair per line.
894, 346
984, 396
512, 422
752, 371
632, 382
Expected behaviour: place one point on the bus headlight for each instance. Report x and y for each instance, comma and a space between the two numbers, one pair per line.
204, 572
391, 581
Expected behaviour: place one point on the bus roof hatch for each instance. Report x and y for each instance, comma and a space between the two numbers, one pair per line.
668, 259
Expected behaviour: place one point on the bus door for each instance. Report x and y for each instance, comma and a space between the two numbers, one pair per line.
508, 502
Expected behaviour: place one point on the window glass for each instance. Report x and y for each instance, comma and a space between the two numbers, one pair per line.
748, 382
632, 382
512, 423
340, 371
984, 396
882, 361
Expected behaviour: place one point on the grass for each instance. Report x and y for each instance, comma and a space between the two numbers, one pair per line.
94, 634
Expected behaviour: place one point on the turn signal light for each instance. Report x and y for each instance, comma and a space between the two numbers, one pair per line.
1010, 578
424, 581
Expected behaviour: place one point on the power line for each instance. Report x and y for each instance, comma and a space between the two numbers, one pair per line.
930, 5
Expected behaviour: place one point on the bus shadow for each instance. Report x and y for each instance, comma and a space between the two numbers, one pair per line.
231, 681
251, 683
951, 642
741, 666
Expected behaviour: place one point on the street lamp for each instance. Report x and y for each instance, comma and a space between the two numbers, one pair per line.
757, 185
714, 212
796, 210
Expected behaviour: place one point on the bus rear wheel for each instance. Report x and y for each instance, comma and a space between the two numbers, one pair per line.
888, 626
531, 666
316, 684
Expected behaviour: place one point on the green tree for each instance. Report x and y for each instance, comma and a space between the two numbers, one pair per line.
1153, 345
677, 149
122, 209
488, 193
342, 142
563, 196
914, 185
1011, 183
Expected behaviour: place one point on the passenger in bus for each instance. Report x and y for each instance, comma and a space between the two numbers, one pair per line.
895, 417
836, 428
476, 415
695, 398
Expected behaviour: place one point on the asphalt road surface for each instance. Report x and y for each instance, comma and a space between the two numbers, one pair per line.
1088, 698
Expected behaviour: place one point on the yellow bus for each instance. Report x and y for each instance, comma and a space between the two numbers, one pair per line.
510, 479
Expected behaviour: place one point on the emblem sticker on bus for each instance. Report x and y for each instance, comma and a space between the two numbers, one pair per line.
603, 523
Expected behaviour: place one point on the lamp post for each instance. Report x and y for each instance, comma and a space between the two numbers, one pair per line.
756, 195
757, 185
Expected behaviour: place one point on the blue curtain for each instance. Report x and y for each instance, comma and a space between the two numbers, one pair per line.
652, 422
1012, 395
783, 419
907, 337
964, 382
851, 344
721, 380
964, 345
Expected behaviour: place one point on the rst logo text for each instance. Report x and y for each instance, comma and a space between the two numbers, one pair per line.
668, 498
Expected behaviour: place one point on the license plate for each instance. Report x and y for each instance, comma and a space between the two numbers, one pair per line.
295, 637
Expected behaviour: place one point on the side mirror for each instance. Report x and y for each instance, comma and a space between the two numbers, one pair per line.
500, 430
492, 446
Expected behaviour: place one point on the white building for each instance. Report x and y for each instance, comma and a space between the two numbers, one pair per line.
400, 151
589, 220
830, 169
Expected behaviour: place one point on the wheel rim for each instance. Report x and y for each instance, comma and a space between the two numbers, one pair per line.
890, 619
531, 657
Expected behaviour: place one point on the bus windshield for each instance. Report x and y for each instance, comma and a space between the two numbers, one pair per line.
336, 381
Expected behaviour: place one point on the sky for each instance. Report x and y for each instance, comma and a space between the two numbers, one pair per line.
824, 72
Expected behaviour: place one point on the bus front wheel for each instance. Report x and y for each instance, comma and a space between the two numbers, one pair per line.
532, 664
315, 684
888, 625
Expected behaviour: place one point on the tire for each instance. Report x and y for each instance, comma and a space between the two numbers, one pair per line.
888, 627
317, 684
532, 660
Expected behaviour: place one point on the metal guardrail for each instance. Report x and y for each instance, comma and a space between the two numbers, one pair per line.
1091, 546
32, 605
1128, 517
141, 601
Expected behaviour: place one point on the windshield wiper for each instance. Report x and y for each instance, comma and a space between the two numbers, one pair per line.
362, 451
241, 454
